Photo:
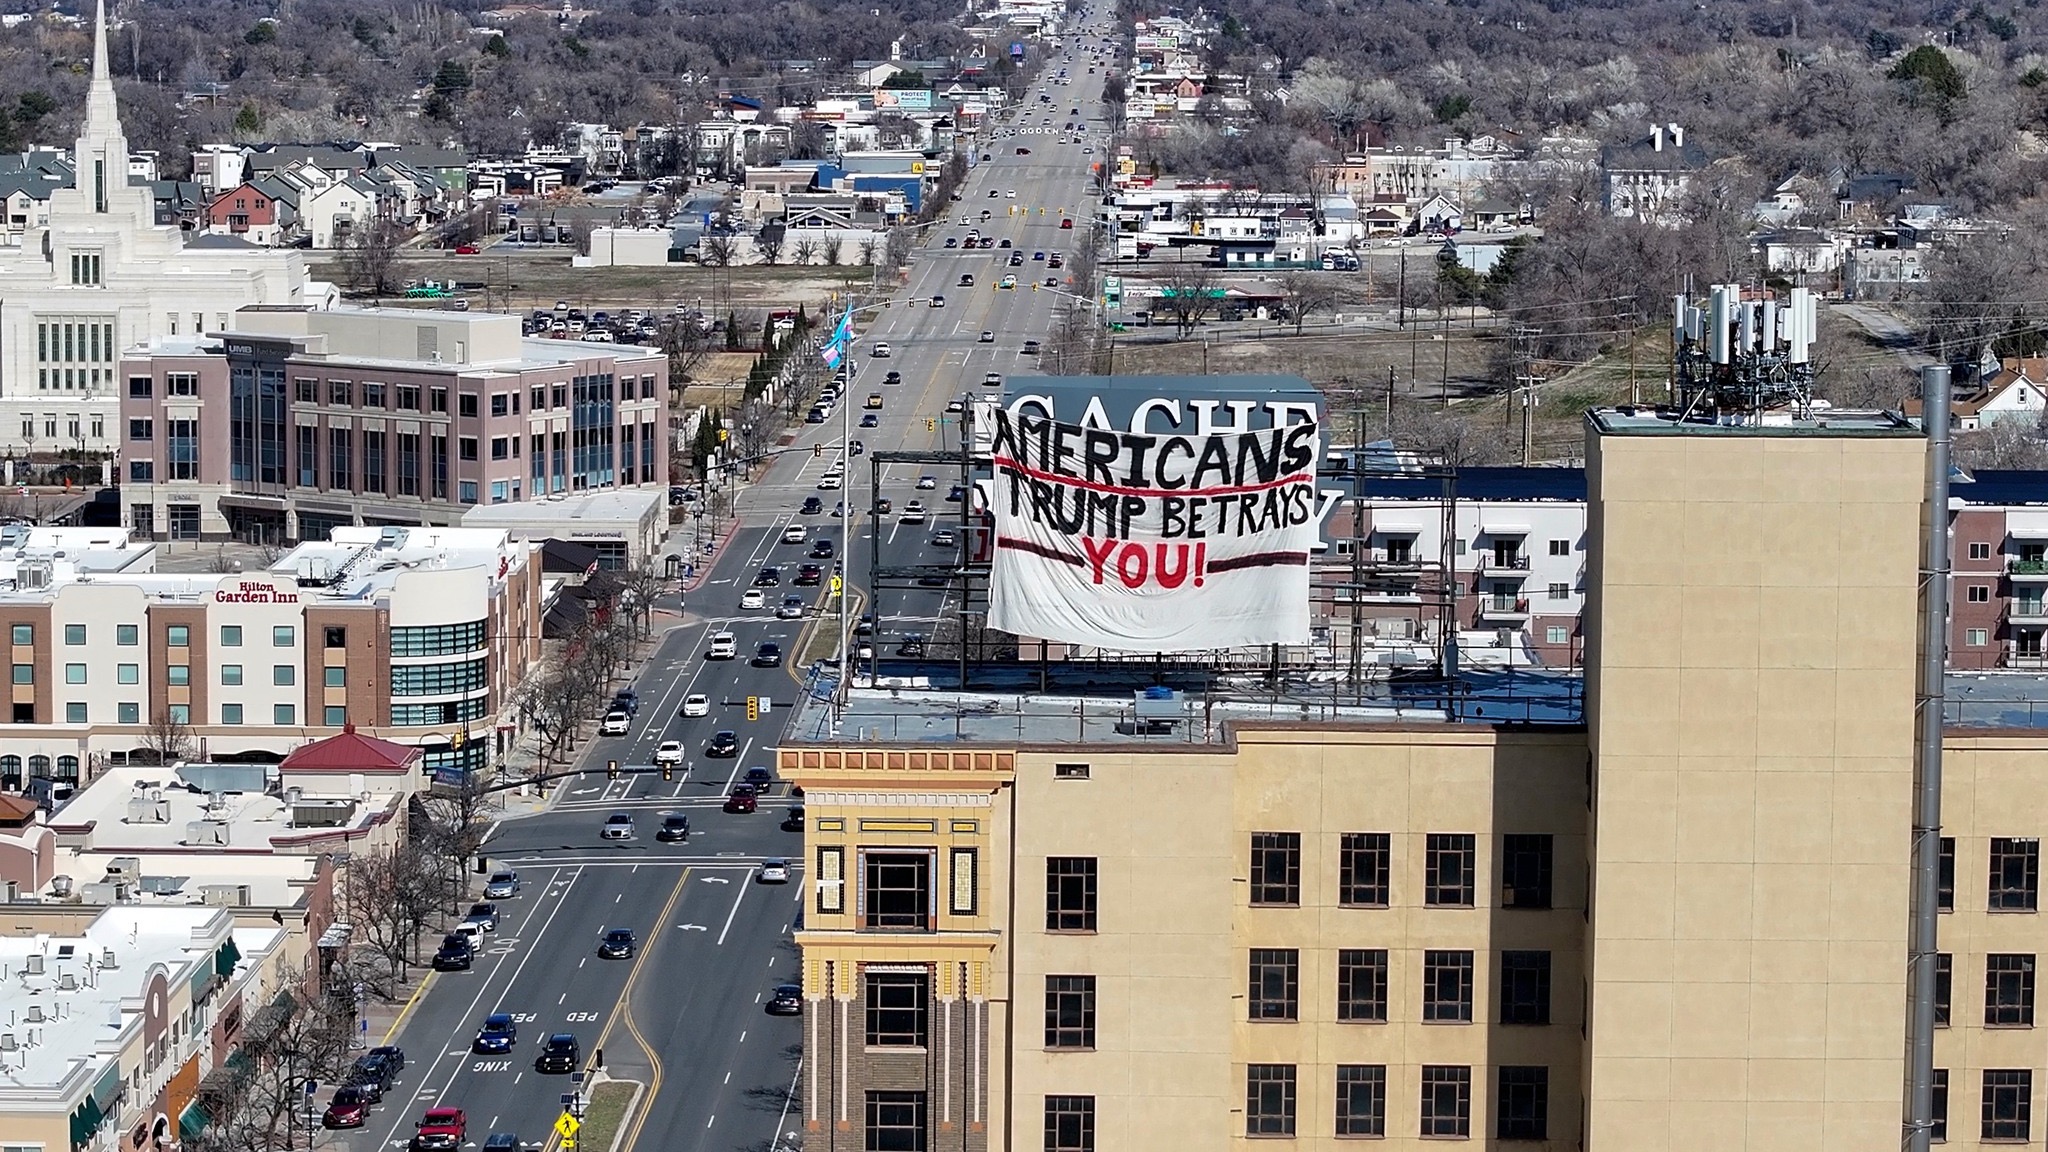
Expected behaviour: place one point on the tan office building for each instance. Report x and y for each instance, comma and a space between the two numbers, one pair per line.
1678, 921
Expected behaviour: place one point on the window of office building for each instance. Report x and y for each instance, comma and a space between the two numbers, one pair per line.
1275, 984
128, 673
1944, 986
898, 1007
1446, 1100
407, 478
2009, 990
1070, 1011
74, 634
231, 674
1362, 985
1269, 1100
896, 894
284, 715
1524, 987
1361, 1100
1070, 894
128, 713
178, 675
284, 636
177, 636
1525, 868
895, 1122
181, 449
2015, 874
2008, 1104
231, 713
74, 712
1364, 863
1276, 868
1945, 892
1070, 1124
1447, 986
231, 635
1939, 1130
1451, 867
340, 457
374, 462
1522, 1105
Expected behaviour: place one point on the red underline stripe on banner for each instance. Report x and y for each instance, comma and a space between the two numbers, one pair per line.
1260, 560
1005, 462
1037, 549
1231, 563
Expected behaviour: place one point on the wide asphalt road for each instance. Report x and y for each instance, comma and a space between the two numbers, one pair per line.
685, 1016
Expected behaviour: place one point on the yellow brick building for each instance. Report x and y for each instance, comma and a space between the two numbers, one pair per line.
1679, 923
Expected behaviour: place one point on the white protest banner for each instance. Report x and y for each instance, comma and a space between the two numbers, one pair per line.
1143, 543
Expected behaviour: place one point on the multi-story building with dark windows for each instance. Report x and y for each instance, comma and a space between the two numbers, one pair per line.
1661, 906
418, 636
292, 422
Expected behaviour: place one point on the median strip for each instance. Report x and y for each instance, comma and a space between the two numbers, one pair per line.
604, 1115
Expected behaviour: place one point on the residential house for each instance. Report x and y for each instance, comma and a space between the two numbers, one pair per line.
1648, 180
336, 160
1800, 253
333, 212
218, 167
249, 212
2017, 392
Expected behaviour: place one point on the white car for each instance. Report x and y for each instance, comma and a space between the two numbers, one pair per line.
794, 534
614, 724
696, 704
881, 349
670, 752
1011, 192
724, 646
792, 608
927, 483
752, 598
774, 870
829, 482
913, 513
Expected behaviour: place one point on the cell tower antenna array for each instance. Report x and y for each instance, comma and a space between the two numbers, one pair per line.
1735, 359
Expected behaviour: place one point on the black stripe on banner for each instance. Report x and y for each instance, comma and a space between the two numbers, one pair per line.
1037, 549
1260, 560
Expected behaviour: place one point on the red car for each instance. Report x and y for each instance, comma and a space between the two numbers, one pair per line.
1066, 224
742, 799
440, 1130
349, 1109
465, 250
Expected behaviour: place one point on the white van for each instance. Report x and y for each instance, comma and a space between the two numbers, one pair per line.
723, 647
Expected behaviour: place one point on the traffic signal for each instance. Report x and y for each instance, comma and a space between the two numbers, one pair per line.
668, 771
1034, 285
817, 449
611, 769
931, 425
753, 707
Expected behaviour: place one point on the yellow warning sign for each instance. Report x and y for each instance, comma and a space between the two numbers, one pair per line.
566, 1126
837, 584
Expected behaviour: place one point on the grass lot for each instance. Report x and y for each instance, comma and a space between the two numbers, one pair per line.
604, 1115
1416, 354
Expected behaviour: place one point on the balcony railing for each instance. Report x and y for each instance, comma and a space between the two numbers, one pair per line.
1508, 566
1503, 606
2028, 612
2019, 567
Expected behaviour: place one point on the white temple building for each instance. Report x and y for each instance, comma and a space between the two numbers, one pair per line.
102, 277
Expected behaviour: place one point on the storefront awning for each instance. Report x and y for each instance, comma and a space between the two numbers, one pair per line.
86, 1121
224, 961
192, 1122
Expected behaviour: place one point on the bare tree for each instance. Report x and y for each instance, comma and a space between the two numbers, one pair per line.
804, 251
458, 815
770, 241
302, 1035
717, 250
896, 252
1187, 292
832, 247
389, 896
1070, 346
168, 738
1307, 292
370, 258
687, 343
554, 703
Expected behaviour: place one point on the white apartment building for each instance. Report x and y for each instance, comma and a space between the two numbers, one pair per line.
415, 635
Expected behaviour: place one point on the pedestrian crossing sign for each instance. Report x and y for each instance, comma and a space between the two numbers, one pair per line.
566, 1126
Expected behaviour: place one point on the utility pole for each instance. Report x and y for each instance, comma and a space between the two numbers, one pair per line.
1390, 401
1401, 307
1446, 385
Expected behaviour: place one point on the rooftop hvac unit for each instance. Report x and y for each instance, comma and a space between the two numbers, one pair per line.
225, 895
34, 966
8, 1043
35, 1014
127, 868
108, 959
60, 886
67, 982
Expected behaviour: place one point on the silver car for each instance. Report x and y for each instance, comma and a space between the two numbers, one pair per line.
502, 886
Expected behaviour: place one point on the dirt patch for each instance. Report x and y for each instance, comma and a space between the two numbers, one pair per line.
1349, 358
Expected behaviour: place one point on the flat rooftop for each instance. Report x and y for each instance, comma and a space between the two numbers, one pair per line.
1646, 421
212, 808
604, 506
1004, 706
80, 997
360, 563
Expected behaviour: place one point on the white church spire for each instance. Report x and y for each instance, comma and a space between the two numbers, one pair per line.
102, 155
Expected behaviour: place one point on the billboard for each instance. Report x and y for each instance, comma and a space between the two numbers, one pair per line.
1143, 542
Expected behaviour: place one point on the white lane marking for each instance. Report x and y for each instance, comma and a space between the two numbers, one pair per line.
735, 911
787, 1099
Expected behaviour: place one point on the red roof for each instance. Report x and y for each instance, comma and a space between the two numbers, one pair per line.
350, 752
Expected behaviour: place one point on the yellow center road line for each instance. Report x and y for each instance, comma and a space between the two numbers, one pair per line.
407, 1009
626, 1012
